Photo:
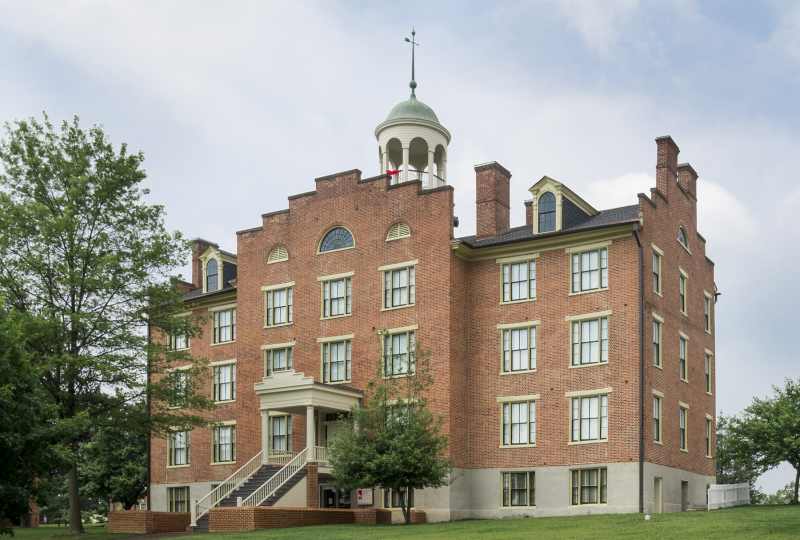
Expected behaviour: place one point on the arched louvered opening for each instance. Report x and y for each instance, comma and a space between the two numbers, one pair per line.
337, 238
398, 230
278, 254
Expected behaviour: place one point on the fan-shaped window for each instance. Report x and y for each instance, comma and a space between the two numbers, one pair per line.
212, 275
398, 230
682, 237
547, 212
337, 238
278, 254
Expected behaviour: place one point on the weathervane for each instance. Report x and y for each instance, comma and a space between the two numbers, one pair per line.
413, 83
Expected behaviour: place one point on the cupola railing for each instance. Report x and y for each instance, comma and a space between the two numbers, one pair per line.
429, 181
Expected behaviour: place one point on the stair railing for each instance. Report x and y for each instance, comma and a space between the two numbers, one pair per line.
272, 485
227, 487
281, 457
321, 455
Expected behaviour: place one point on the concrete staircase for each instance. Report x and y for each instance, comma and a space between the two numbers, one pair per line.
246, 489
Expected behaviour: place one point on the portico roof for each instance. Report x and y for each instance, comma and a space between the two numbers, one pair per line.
292, 392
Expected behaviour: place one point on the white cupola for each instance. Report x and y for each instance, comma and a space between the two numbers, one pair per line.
412, 141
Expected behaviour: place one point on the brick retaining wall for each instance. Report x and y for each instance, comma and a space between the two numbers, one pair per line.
147, 521
250, 518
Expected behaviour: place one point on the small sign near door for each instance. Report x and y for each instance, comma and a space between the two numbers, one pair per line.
365, 497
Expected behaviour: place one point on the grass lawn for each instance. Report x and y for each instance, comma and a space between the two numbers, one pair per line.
742, 522
97, 532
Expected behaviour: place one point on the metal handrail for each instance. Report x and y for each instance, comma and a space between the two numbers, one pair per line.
228, 486
272, 485
424, 177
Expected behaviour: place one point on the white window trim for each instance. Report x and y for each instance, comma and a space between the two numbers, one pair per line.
278, 346
587, 316
278, 286
335, 338
517, 399
516, 326
583, 249
397, 266
334, 277
222, 362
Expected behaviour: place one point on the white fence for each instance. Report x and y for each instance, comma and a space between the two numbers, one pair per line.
727, 495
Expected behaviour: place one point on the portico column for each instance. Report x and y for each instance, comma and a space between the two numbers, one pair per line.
310, 435
264, 437
385, 162
432, 182
405, 164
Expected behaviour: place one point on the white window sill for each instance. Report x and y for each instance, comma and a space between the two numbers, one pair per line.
517, 507
336, 317
225, 402
684, 247
573, 443
178, 466
658, 366
223, 463
684, 450
337, 383
587, 504
658, 293
588, 292
595, 364
518, 372
187, 348
223, 343
510, 302
512, 446
684, 380
397, 307
278, 325
335, 250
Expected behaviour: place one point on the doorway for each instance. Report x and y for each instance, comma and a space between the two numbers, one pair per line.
333, 497
684, 495
658, 494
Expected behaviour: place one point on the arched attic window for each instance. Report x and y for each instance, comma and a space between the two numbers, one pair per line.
547, 212
212, 275
398, 231
278, 254
682, 238
337, 238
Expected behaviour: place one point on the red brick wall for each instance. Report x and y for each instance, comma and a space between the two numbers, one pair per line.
312, 486
250, 518
147, 521
666, 210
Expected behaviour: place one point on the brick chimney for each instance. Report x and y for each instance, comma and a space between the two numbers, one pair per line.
666, 164
493, 185
687, 178
529, 212
200, 246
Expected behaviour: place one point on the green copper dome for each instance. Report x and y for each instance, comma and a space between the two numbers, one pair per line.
414, 109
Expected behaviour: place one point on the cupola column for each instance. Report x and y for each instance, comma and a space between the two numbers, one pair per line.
405, 162
385, 162
432, 182
444, 169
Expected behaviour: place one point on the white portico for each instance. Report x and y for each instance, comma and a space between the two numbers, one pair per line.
290, 392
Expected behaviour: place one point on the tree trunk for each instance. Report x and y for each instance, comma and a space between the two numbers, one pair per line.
796, 484
75, 522
406, 505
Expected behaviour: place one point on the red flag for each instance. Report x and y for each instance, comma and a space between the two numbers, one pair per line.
390, 173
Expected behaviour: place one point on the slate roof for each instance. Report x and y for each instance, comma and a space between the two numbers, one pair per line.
198, 293
606, 218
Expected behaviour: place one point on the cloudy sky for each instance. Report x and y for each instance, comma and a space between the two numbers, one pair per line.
239, 104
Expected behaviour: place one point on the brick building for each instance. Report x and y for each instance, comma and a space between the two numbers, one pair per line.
573, 379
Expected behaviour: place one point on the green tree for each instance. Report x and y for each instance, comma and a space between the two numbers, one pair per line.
87, 264
767, 432
394, 441
735, 466
783, 496
29, 438
114, 466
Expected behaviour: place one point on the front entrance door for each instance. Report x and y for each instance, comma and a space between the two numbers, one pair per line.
333, 497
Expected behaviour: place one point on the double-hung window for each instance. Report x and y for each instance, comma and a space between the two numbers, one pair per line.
657, 417
336, 361
519, 281
683, 414
178, 499
707, 311
684, 346
179, 388
684, 278
225, 382
398, 353
589, 415
519, 422
589, 486
708, 372
225, 325
336, 297
178, 342
519, 489
589, 341
657, 338
708, 437
280, 430
278, 306
657, 254
590, 270
178, 448
398, 287
394, 499
277, 358
224, 444
519, 349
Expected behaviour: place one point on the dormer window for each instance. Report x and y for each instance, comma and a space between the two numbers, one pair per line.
547, 212
682, 237
212, 276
